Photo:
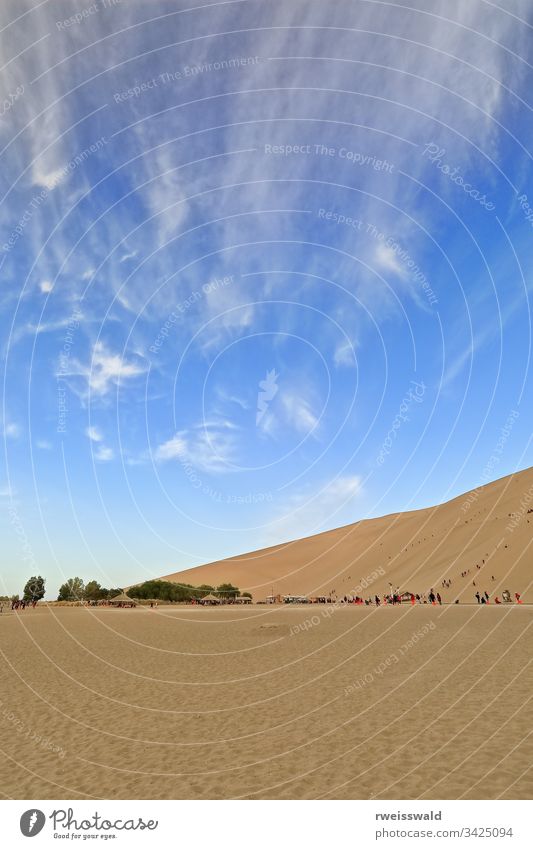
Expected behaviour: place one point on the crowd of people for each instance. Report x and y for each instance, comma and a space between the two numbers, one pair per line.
21, 604
397, 597
506, 597
432, 597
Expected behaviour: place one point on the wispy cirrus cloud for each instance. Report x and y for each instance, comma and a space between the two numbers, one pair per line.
387, 259
290, 410
313, 508
211, 447
105, 371
298, 413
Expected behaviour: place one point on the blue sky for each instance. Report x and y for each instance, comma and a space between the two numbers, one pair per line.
265, 271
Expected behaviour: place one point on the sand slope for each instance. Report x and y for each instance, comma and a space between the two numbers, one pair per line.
414, 550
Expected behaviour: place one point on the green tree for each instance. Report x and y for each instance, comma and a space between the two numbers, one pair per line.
163, 590
204, 589
114, 592
93, 591
227, 591
71, 590
248, 595
34, 589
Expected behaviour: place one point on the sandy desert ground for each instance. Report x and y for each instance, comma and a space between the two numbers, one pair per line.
490, 528
267, 702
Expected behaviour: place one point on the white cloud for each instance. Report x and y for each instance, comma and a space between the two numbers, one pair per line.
210, 447
104, 454
105, 370
131, 255
298, 413
31, 329
387, 259
49, 179
230, 322
163, 185
310, 511
109, 370
344, 355
44, 445
94, 434
46, 286
288, 410
455, 363
341, 490
174, 448
11, 430
329, 498
227, 398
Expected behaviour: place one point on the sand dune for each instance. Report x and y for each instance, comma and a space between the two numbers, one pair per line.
489, 528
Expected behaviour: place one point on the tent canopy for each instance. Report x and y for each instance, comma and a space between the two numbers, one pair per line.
123, 598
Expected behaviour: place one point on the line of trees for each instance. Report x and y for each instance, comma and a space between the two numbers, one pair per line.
170, 591
76, 590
